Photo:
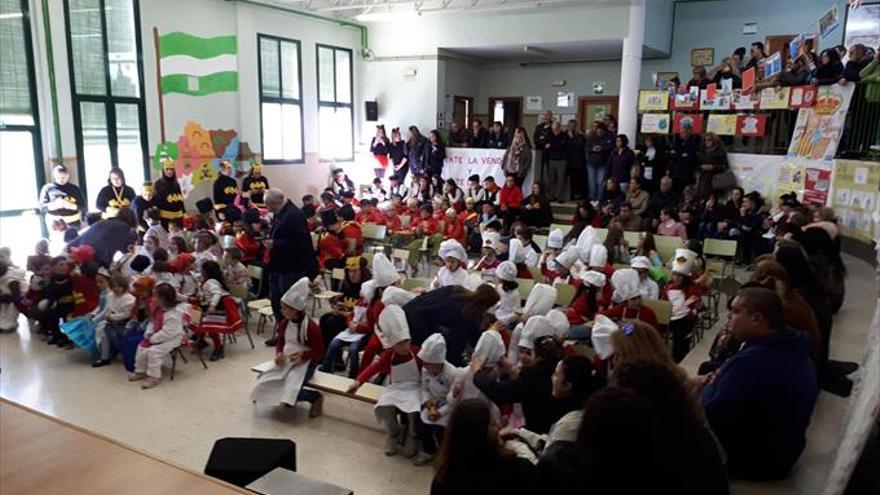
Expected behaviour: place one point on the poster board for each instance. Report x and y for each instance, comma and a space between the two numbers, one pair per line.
653, 100
775, 98
723, 124
818, 128
856, 184
657, 123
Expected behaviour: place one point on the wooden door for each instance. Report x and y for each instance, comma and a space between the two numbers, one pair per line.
463, 110
592, 108
511, 111
778, 43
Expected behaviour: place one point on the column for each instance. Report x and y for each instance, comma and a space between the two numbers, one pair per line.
630, 71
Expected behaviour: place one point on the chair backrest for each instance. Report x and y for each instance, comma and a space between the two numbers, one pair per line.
719, 247
600, 234
525, 286
541, 241
338, 274
255, 271
564, 228
632, 238
618, 266
413, 283
404, 221
369, 257
239, 292
564, 294
662, 309
373, 231
400, 254
666, 246
537, 276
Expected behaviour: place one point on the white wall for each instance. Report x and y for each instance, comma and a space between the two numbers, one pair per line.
457, 78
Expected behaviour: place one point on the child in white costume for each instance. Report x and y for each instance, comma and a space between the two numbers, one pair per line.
164, 333
438, 376
508, 291
455, 260
541, 299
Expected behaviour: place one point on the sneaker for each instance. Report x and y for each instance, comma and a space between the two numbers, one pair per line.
423, 458
317, 407
137, 376
150, 383
837, 385
100, 362
217, 355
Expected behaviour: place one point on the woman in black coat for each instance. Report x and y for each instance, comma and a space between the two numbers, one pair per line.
416, 151
830, 69
436, 154
115, 195
397, 153
536, 210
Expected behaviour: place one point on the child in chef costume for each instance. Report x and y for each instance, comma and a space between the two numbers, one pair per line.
541, 300
562, 266
647, 287
455, 260
547, 261
508, 291
404, 394
686, 298
488, 353
588, 300
164, 333
489, 262
438, 376
12, 288
384, 277
299, 348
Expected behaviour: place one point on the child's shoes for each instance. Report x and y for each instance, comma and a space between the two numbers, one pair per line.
137, 376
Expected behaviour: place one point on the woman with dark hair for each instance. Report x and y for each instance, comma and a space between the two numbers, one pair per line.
612, 194
830, 68
457, 313
655, 163
107, 237
254, 185
714, 162
379, 147
436, 154
471, 459
398, 155
115, 195
585, 215
518, 157
536, 211
416, 151
169, 197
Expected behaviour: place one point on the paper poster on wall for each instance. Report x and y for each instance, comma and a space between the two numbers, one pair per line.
719, 102
790, 177
722, 124
744, 101
653, 100
755, 172
687, 99
796, 45
534, 103
856, 184
657, 123
802, 97
775, 98
695, 120
751, 125
828, 22
817, 182
818, 128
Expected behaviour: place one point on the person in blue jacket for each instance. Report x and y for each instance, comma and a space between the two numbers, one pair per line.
760, 401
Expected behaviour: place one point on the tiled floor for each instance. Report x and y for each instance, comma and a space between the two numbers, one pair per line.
180, 420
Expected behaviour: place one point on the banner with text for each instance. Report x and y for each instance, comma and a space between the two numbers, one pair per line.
461, 163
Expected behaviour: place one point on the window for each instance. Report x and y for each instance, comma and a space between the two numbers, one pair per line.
21, 155
335, 110
106, 79
280, 100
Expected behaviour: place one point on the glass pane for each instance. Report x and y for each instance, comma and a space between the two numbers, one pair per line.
343, 76
96, 149
325, 75
121, 47
343, 128
336, 133
18, 180
272, 147
269, 67
290, 70
87, 46
15, 97
327, 137
128, 147
291, 116
20, 233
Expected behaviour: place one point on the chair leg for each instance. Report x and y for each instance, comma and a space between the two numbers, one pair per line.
247, 331
173, 362
201, 359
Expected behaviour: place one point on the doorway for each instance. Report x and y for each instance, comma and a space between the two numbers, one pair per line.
591, 108
463, 110
507, 110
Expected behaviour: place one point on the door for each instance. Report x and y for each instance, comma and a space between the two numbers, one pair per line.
463, 110
591, 108
507, 110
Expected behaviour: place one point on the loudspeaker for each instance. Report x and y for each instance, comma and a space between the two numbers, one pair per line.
372, 111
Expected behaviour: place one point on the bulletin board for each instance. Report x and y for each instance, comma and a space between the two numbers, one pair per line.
856, 187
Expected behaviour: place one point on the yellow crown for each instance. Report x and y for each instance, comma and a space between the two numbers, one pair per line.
827, 105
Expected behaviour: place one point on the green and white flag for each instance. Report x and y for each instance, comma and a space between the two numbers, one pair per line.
197, 66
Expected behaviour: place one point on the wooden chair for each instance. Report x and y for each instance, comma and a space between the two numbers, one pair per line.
525, 286
564, 294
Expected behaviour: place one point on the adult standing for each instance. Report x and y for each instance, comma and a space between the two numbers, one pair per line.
62, 201
684, 156
577, 160
397, 153
289, 250
599, 146
254, 185
653, 161
756, 55
712, 163
541, 138
436, 154
169, 197
518, 157
379, 147
557, 157
416, 150
621, 160
115, 195
108, 237
225, 189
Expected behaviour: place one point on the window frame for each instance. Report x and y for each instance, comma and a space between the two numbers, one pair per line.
335, 104
34, 129
281, 99
108, 99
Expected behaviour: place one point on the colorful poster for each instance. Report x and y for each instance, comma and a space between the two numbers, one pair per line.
802, 97
687, 100
772, 65
653, 100
657, 123
796, 45
461, 163
744, 101
719, 102
723, 124
856, 184
196, 66
775, 98
828, 22
751, 125
695, 120
789, 178
817, 182
818, 128
748, 80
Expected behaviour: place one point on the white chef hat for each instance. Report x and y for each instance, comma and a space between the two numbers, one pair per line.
395, 295
626, 284
603, 327
228, 241
297, 296
392, 327
554, 240
383, 271
368, 288
598, 255
585, 242
541, 299
641, 262
386, 206
559, 322
450, 212
535, 328
491, 240
433, 349
594, 278
472, 281
686, 264
506, 271
515, 251
451, 247
569, 256
490, 347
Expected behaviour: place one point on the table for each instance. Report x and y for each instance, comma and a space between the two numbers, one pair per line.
42, 455
284, 481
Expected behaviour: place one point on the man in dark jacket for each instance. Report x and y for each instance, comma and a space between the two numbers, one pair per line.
458, 136
478, 136
663, 198
291, 255
760, 401
684, 158
577, 160
498, 139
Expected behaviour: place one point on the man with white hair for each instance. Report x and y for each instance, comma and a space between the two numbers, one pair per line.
290, 254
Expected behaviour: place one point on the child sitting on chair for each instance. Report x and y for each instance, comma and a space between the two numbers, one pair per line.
163, 335
110, 322
234, 270
453, 271
221, 312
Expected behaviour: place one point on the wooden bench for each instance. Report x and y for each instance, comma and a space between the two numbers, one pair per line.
333, 384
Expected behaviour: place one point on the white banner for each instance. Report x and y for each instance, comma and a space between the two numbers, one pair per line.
818, 128
461, 163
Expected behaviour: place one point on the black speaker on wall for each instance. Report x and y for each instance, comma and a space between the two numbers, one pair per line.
372, 111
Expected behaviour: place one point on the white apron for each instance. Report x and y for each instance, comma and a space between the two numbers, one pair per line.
405, 390
438, 387
281, 384
8, 311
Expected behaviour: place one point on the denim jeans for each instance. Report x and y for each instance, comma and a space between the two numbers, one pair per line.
278, 285
335, 350
595, 176
307, 394
112, 333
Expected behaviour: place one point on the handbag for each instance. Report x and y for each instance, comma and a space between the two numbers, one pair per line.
724, 180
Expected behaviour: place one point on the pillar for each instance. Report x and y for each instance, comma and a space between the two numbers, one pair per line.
630, 71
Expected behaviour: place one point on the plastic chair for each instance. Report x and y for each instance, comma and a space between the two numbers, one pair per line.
666, 246
537, 276
240, 294
541, 241
177, 352
413, 283
564, 294
525, 286
600, 234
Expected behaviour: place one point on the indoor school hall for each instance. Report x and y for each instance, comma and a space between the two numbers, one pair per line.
515, 246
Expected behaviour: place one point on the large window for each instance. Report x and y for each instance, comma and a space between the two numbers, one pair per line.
335, 111
280, 100
21, 156
106, 77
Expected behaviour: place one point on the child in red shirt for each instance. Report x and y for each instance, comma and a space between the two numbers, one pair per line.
510, 199
453, 229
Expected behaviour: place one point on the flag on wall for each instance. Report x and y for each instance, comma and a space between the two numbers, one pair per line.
196, 66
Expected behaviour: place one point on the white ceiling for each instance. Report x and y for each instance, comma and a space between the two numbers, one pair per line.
366, 10
574, 51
